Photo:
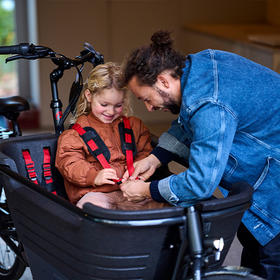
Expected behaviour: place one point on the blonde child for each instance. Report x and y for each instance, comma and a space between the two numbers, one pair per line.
102, 105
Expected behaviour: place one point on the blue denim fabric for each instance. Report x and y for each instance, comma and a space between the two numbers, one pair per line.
263, 260
230, 122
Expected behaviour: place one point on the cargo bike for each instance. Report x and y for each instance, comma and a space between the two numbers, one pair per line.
41, 229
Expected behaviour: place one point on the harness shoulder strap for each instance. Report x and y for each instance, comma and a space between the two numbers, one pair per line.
47, 172
100, 151
46, 166
94, 144
30, 168
127, 137
128, 143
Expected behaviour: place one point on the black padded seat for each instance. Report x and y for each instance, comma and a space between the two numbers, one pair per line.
14, 104
35, 144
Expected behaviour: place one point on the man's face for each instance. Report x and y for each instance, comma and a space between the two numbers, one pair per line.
156, 97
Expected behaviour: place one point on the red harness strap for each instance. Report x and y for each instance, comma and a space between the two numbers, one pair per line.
47, 173
30, 167
100, 157
29, 163
129, 153
93, 146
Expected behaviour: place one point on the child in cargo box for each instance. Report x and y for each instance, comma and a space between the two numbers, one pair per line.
102, 105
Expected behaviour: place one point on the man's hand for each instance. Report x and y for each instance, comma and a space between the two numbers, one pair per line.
144, 168
105, 176
136, 190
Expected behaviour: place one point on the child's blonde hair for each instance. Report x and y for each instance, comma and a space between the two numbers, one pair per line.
103, 76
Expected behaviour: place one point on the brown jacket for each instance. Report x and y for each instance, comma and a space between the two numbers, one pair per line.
79, 168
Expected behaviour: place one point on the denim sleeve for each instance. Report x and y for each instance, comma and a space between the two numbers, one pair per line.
213, 129
175, 140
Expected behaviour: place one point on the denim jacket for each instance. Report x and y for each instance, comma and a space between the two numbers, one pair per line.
229, 129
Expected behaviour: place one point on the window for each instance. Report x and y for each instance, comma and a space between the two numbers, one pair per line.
8, 71
18, 25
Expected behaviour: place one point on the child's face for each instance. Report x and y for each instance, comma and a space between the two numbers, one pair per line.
106, 105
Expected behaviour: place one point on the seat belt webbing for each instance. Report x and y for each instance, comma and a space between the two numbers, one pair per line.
93, 147
29, 164
129, 153
47, 173
30, 167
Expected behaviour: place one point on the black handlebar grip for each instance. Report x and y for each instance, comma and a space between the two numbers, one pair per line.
22, 49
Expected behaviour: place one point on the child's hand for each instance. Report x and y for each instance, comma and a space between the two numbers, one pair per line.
105, 176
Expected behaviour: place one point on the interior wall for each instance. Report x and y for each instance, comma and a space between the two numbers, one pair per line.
273, 12
115, 27
64, 26
221, 11
217, 12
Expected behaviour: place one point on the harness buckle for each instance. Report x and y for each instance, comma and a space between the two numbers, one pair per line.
47, 173
31, 171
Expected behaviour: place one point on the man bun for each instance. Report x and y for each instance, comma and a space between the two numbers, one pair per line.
161, 40
147, 62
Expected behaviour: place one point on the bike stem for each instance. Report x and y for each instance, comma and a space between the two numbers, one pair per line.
56, 104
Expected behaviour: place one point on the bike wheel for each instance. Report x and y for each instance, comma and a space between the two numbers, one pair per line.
11, 267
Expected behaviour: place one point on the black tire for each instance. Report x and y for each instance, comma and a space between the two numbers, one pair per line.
231, 274
232, 277
11, 267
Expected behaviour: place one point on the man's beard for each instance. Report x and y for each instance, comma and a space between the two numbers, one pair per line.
171, 105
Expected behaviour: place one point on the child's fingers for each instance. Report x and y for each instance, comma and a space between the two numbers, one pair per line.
110, 173
108, 176
126, 175
108, 181
110, 170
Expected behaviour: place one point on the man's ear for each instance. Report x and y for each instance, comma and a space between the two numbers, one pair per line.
163, 78
88, 95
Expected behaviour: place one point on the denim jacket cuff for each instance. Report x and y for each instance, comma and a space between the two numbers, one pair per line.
164, 188
163, 155
155, 193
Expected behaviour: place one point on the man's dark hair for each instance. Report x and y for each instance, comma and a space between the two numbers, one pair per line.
147, 62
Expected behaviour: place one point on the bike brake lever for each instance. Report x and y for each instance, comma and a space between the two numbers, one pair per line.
15, 57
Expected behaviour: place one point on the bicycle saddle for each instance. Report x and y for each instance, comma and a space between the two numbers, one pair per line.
13, 104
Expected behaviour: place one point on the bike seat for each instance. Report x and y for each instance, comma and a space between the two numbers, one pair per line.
13, 104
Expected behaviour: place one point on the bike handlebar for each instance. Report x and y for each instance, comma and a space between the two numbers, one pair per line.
30, 51
89, 55
21, 49
25, 50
